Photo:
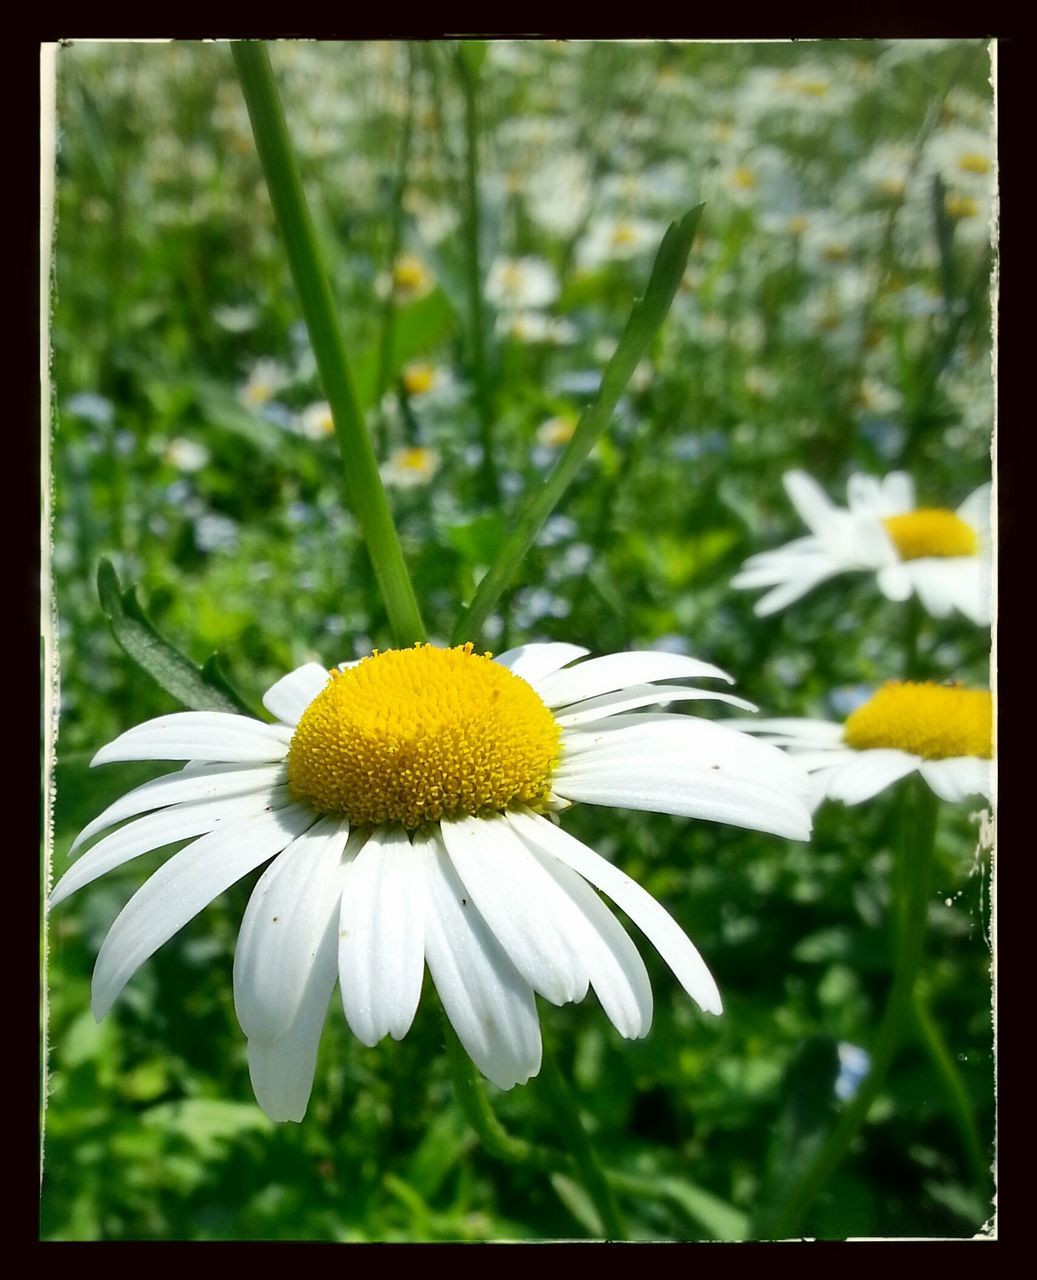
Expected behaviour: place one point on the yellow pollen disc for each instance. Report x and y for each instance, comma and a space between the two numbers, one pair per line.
744, 178
973, 162
931, 532
934, 721
415, 735
624, 234
409, 273
419, 378
960, 206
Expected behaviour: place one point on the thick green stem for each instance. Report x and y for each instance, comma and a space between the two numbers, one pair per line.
577, 1140
364, 489
916, 849
476, 319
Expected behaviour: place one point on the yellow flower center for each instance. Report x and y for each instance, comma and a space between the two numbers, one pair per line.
419, 378
931, 532
415, 735
934, 721
414, 458
623, 235
743, 177
960, 206
973, 162
409, 273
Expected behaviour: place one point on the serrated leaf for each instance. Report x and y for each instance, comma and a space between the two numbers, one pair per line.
140, 641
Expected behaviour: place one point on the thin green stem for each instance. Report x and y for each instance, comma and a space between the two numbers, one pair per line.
476, 320
577, 1140
388, 317
491, 1133
646, 318
916, 848
954, 1088
363, 483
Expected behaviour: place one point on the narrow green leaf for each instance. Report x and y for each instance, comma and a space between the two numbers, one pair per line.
473, 54
646, 318
166, 665
579, 1204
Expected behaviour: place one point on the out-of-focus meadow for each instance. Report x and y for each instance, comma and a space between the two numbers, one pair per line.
835, 317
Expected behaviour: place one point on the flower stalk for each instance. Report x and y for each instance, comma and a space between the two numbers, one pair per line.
364, 490
918, 831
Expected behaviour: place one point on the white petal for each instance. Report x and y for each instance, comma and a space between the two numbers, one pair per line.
535, 661
281, 930
864, 495
975, 510
181, 887
643, 695
489, 1004
795, 588
194, 783
809, 732
650, 917
293, 693
811, 502
381, 944
282, 1070
199, 735
895, 581
616, 970
508, 887
957, 779
869, 772
159, 829
933, 581
898, 494
619, 671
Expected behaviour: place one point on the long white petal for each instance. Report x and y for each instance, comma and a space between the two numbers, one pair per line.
489, 1004
535, 661
293, 693
159, 829
381, 944
199, 735
181, 887
654, 921
957, 779
508, 887
619, 671
898, 494
643, 695
616, 970
975, 510
282, 1070
790, 591
895, 581
812, 732
812, 504
869, 772
281, 930
193, 783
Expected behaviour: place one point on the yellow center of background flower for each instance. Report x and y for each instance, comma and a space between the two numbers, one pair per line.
973, 162
415, 735
931, 532
418, 379
934, 721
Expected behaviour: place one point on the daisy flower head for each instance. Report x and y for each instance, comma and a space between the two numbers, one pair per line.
521, 283
941, 731
410, 466
406, 804
941, 556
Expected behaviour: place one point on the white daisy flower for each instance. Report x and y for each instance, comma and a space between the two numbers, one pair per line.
406, 801
941, 731
521, 284
941, 556
410, 466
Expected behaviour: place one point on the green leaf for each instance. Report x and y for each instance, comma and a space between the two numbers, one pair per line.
579, 1204
207, 1123
646, 318
472, 54
167, 666
416, 329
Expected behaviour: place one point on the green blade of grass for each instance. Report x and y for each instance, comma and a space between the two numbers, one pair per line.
646, 319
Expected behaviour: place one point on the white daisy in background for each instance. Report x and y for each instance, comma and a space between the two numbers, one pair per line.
535, 327
941, 731
407, 802
941, 556
316, 422
521, 284
613, 239
265, 380
410, 466
430, 385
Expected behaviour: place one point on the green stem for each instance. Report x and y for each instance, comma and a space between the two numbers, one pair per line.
388, 319
646, 318
491, 1133
577, 1140
917, 843
364, 489
476, 319
961, 1108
